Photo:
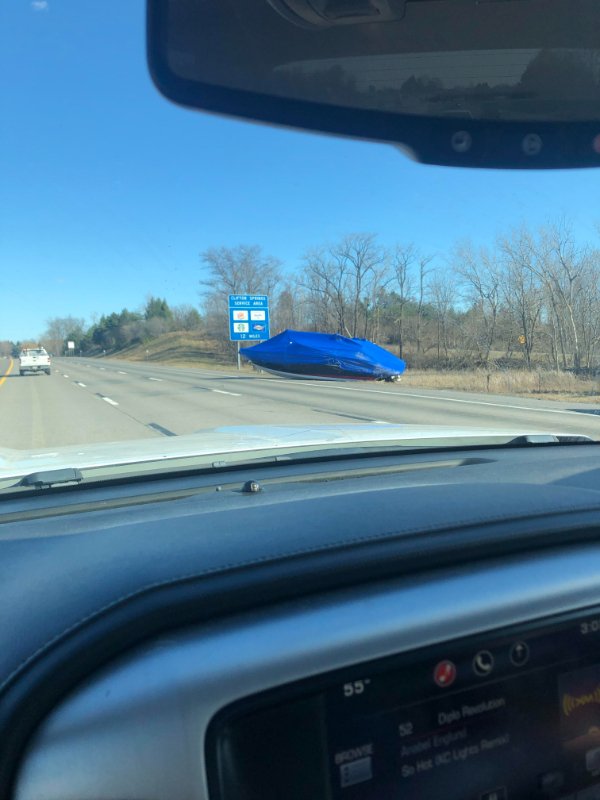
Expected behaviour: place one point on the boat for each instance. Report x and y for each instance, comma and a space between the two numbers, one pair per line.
324, 356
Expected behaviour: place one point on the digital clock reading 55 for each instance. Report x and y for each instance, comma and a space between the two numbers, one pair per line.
356, 687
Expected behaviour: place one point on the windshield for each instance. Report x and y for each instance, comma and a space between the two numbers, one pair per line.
188, 273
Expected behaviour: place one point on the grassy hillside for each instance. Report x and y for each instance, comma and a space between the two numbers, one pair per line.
183, 349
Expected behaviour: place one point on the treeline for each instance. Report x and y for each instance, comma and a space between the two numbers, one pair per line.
532, 299
116, 331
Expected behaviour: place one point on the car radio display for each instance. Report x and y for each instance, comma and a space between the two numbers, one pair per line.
503, 716
514, 717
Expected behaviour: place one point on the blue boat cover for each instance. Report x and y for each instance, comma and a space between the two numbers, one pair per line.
324, 355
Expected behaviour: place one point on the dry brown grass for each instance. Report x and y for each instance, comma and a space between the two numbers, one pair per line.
546, 384
179, 349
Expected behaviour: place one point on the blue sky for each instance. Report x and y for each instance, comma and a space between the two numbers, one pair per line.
109, 193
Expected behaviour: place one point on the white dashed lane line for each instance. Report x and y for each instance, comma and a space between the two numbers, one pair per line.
106, 399
78, 383
220, 391
120, 371
155, 379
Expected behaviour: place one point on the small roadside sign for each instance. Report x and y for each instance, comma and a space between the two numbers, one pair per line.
522, 339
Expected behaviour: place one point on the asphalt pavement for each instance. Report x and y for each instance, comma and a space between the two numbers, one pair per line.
103, 400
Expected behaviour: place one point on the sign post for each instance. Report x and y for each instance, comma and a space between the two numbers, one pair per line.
248, 319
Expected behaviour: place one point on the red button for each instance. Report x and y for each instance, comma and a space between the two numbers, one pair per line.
444, 674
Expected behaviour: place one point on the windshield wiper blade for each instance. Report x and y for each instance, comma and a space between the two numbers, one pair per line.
50, 477
550, 438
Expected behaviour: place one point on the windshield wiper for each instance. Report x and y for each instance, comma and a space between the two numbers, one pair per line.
550, 438
50, 477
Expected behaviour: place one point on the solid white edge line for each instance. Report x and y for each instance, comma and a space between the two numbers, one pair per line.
435, 399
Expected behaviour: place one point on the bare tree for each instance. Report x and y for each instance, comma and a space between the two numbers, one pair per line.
562, 268
403, 261
567, 266
290, 309
345, 280
364, 263
443, 298
244, 269
480, 271
58, 329
522, 289
240, 270
186, 318
325, 278
587, 311
422, 275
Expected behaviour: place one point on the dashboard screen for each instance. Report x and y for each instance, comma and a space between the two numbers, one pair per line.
508, 716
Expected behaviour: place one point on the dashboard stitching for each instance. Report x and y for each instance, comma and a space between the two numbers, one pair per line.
272, 557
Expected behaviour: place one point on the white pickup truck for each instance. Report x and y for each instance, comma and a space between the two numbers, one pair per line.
34, 360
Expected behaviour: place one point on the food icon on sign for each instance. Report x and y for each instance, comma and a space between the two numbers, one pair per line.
257, 315
242, 314
240, 327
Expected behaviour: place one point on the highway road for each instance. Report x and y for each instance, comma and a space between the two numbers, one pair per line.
100, 400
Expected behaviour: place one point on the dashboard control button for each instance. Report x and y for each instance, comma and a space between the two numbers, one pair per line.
357, 771
494, 794
550, 783
592, 761
483, 663
461, 141
519, 654
444, 673
532, 144
591, 793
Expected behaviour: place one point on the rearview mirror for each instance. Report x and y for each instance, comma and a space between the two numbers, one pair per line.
480, 83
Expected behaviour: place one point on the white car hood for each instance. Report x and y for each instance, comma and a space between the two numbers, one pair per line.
257, 440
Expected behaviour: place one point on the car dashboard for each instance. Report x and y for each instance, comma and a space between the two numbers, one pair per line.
410, 625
